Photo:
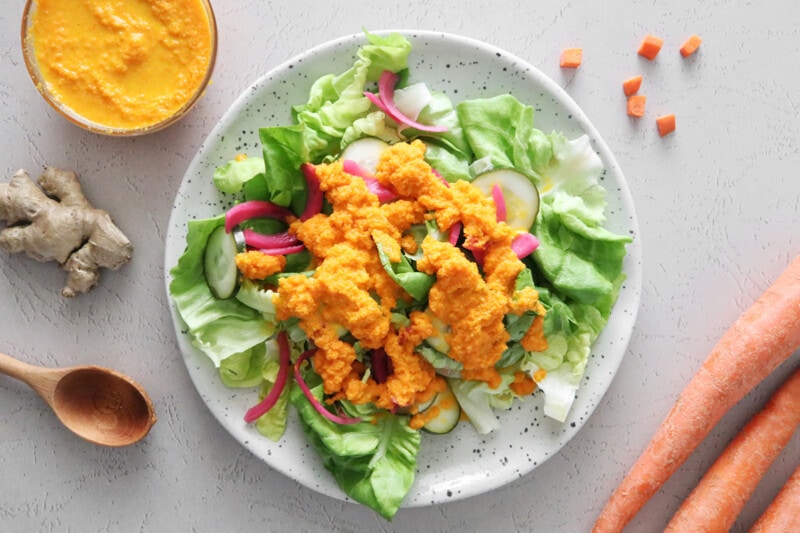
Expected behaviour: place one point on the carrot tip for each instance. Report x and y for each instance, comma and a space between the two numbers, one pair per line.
571, 58
666, 124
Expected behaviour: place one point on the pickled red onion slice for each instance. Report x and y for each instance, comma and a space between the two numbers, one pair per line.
314, 202
524, 244
253, 209
344, 420
271, 398
384, 101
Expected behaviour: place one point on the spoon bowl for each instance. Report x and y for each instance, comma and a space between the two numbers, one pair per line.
98, 404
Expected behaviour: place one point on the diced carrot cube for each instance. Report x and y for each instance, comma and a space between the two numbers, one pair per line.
690, 45
631, 85
650, 47
666, 124
636, 105
571, 58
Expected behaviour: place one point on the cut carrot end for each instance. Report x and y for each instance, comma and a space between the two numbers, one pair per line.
571, 58
650, 47
666, 124
690, 45
636, 105
632, 85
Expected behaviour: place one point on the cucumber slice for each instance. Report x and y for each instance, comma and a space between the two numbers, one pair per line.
366, 152
441, 329
520, 194
219, 264
449, 413
238, 238
424, 406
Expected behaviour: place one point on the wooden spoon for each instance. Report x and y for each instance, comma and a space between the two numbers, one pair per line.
98, 404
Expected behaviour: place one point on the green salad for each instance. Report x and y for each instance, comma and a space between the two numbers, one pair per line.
249, 285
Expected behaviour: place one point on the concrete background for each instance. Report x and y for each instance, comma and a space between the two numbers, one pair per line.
717, 203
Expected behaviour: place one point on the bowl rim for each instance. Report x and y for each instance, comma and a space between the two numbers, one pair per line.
29, 57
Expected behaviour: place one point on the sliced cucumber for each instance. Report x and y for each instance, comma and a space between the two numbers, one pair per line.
219, 264
441, 329
366, 152
425, 405
238, 238
448, 416
520, 194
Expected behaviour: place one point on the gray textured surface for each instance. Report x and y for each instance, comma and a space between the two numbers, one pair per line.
718, 213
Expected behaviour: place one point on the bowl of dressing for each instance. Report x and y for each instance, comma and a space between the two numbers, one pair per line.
120, 67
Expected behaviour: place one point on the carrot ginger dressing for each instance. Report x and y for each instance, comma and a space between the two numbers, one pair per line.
350, 289
125, 64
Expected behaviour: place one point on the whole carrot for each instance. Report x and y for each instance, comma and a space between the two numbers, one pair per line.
763, 337
783, 514
716, 502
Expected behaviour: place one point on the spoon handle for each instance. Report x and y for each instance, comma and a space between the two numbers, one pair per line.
40, 379
14, 367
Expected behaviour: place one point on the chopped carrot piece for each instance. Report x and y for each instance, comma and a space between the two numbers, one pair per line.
666, 124
571, 58
636, 105
650, 47
631, 85
690, 45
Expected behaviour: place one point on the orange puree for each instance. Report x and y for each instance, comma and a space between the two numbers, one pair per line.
123, 64
350, 288
258, 265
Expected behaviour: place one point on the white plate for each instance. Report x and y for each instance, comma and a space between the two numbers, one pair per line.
461, 463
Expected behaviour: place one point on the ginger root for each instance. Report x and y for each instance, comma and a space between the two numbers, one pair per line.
57, 223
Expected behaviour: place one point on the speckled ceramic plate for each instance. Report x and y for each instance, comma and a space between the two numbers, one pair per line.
461, 463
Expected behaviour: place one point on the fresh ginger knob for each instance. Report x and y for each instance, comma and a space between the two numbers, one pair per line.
55, 222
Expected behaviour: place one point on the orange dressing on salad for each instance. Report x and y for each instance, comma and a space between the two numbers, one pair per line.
523, 384
124, 64
351, 290
256, 265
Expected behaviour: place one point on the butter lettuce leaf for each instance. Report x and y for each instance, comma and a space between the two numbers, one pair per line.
285, 149
570, 331
415, 283
584, 265
373, 461
478, 400
231, 177
447, 160
577, 255
272, 424
337, 102
244, 369
571, 180
218, 328
258, 367
372, 125
501, 131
